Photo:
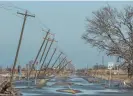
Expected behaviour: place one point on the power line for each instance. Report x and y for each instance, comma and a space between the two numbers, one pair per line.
14, 6
39, 20
7, 9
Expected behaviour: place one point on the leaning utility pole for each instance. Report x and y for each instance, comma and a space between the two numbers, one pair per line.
42, 54
49, 61
45, 56
63, 66
44, 50
61, 62
39, 52
57, 59
19, 44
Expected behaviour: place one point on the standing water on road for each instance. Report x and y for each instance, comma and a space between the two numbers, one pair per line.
54, 87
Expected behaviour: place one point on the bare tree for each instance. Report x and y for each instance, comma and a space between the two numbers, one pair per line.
111, 30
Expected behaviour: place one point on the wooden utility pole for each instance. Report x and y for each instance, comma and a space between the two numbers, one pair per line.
19, 44
45, 56
103, 67
61, 62
44, 50
42, 55
102, 60
63, 66
57, 59
49, 61
39, 52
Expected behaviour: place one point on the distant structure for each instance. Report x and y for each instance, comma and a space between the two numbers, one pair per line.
71, 67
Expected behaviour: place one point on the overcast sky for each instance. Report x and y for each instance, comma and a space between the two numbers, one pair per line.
65, 19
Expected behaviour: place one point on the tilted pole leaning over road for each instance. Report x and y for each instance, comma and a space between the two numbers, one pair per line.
42, 54
20, 39
49, 61
57, 59
48, 40
61, 62
45, 57
64, 66
39, 52
44, 49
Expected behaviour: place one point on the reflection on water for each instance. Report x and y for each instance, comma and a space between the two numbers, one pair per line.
86, 88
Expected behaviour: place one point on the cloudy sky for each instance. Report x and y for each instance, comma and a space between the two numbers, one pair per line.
65, 19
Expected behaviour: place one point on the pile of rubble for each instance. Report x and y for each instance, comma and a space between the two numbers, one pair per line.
7, 90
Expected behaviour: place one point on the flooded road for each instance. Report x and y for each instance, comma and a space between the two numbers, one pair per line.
76, 83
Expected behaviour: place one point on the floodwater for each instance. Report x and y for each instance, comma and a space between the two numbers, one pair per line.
78, 83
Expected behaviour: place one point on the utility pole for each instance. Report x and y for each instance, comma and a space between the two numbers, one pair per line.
63, 66
50, 61
46, 56
61, 62
44, 50
60, 59
39, 52
42, 55
58, 67
102, 60
103, 66
117, 65
20, 39
36, 74
57, 59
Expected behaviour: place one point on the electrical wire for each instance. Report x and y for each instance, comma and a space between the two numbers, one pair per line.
7, 9
41, 22
22, 9
14, 6
10, 8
